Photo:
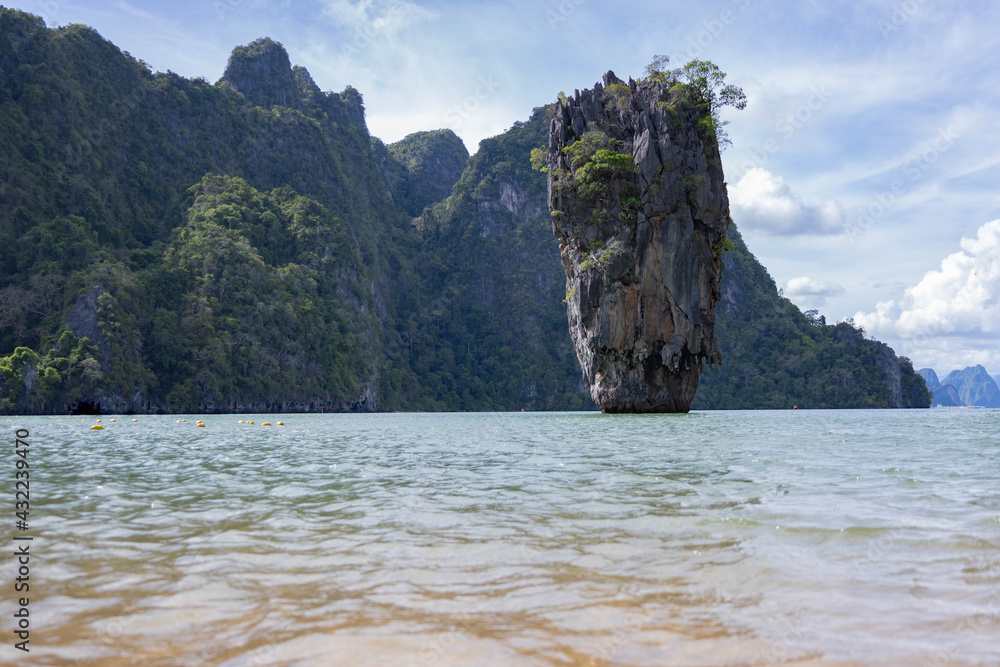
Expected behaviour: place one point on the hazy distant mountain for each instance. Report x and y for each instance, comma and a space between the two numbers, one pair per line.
947, 395
975, 387
944, 394
930, 377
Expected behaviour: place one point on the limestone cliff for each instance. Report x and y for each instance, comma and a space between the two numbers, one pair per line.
262, 72
640, 209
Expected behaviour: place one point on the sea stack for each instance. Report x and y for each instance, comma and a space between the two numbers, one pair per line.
640, 210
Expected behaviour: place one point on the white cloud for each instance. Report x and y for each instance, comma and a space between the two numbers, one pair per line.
951, 318
763, 202
809, 292
371, 17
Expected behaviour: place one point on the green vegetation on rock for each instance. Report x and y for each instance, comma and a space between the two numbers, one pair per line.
170, 244
703, 84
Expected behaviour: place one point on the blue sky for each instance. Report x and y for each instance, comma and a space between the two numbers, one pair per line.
863, 173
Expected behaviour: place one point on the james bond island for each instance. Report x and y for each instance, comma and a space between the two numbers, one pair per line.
640, 209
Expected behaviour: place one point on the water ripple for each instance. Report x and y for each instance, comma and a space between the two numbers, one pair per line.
522, 539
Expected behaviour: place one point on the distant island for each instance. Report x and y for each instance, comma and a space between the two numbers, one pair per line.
971, 386
175, 245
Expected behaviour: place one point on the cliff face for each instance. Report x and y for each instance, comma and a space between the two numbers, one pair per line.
889, 363
262, 71
640, 209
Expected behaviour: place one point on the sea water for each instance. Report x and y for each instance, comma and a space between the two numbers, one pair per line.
433, 540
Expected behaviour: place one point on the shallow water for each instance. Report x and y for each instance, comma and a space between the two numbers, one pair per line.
433, 540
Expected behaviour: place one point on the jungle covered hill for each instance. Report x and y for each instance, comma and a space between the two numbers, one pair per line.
169, 244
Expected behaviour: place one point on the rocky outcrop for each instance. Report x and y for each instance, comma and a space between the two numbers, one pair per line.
262, 71
640, 209
82, 321
887, 360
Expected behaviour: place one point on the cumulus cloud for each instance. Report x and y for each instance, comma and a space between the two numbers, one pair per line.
809, 292
951, 318
764, 202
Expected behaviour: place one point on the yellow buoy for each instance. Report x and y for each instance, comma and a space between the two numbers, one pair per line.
181, 420
98, 421
58, 420
113, 420
96, 427
281, 423
250, 421
201, 425
135, 420
266, 424
240, 422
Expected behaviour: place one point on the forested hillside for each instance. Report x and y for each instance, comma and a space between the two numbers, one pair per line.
774, 354
169, 244
494, 333
218, 254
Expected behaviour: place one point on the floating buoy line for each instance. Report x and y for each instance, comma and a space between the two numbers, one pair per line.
199, 423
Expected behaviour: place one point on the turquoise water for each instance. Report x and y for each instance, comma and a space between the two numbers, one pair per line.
432, 540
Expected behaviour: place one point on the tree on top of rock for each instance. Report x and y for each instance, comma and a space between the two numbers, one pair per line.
706, 83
